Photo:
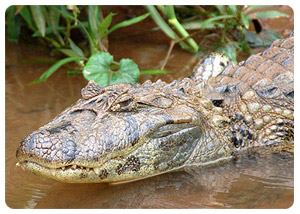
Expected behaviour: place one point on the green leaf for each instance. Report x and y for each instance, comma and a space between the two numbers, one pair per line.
54, 68
104, 25
208, 23
44, 10
98, 68
229, 50
245, 46
39, 18
128, 72
48, 31
232, 9
53, 41
221, 8
154, 71
26, 14
253, 39
164, 26
54, 23
244, 20
75, 48
93, 18
12, 24
264, 39
127, 23
252, 7
269, 36
68, 52
68, 16
212, 19
201, 24
268, 14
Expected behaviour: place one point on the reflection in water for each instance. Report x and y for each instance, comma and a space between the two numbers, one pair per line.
245, 184
249, 182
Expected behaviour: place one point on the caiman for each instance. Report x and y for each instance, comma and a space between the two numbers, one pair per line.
132, 131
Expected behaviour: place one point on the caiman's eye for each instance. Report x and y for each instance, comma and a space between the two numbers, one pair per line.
124, 104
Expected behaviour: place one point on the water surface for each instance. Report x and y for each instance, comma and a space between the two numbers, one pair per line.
249, 182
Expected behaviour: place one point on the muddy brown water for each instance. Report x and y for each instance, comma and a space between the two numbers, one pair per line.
249, 182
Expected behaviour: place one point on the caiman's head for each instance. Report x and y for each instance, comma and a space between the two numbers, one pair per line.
122, 132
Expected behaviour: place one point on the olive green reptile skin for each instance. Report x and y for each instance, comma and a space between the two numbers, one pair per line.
127, 132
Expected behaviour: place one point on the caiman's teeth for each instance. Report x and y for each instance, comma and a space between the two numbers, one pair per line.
18, 164
23, 166
87, 169
74, 166
63, 168
97, 170
53, 171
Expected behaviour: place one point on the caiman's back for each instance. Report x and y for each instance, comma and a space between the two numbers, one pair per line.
257, 94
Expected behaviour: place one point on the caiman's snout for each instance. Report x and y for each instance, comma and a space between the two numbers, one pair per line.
46, 149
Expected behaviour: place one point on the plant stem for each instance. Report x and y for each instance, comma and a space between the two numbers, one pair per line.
173, 21
95, 31
164, 26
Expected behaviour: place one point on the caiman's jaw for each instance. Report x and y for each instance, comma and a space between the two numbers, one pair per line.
116, 146
68, 173
135, 165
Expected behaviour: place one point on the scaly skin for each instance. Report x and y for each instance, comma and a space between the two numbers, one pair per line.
127, 132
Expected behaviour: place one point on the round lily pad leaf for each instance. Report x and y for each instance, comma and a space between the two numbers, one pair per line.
98, 68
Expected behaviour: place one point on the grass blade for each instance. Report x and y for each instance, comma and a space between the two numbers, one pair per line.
54, 68
127, 23
252, 7
92, 22
198, 24
245, 20
54, 23
269, 14
164, 26
232, 9
154, 71
161, 22
39, 18
76, 49
104, 25
68, 52
209, 23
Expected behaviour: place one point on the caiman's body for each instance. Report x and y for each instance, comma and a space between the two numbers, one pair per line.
124, 132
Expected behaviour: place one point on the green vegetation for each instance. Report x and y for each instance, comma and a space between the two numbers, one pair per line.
233, 23
54, 24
